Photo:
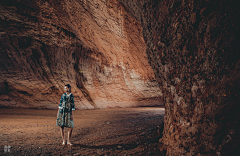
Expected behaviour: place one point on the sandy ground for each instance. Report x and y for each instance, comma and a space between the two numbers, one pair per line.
120, 131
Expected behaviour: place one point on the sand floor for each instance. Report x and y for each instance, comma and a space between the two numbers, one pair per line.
120, 131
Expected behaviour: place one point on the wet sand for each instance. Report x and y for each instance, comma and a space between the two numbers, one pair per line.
118, 131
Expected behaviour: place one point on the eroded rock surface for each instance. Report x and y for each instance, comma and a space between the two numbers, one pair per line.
103, 49
193, 47
95, 46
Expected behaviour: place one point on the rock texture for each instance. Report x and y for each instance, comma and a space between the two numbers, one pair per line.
103, 48
95, 46
193, 47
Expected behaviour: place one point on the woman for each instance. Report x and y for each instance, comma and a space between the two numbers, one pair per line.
65, 113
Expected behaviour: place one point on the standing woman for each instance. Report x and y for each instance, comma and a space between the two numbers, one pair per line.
65, 113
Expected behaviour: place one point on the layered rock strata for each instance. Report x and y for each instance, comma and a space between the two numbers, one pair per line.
98, 46
95, 46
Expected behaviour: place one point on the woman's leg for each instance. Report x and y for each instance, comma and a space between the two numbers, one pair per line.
62, 134
69, 135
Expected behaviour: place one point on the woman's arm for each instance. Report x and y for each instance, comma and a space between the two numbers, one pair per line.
57, 112
60, 104
73, 107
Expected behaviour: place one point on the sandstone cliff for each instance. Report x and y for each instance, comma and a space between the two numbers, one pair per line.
95, 46
103, 48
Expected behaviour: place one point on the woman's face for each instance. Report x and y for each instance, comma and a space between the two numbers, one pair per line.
66, 89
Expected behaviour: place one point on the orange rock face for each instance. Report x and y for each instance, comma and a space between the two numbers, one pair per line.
98, 47
95, 46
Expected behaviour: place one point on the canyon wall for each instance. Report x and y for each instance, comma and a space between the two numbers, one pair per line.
95, 46
193, 47
130, 53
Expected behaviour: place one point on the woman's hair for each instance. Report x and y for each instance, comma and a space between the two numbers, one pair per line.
68, 85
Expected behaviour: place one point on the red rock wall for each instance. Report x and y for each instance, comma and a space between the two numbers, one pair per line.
95, 46
98, 47
194, 51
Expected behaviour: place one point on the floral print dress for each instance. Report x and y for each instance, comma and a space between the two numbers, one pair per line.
66, 106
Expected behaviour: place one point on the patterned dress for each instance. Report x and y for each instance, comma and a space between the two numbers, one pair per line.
66, 106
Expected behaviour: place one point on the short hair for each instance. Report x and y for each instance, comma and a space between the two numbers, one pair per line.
68, 85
